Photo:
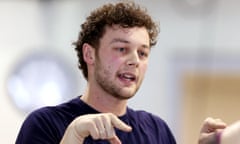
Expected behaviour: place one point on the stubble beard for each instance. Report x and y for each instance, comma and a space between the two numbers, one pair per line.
102, 78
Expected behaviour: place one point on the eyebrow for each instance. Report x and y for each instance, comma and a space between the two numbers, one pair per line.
115, 40
119, 40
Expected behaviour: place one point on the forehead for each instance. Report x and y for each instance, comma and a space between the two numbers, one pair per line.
134, 35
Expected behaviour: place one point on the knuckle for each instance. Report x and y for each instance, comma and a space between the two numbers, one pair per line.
208, 119
95, 136
109, 114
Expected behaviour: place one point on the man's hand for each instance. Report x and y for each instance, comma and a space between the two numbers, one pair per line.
210, 128
99, 126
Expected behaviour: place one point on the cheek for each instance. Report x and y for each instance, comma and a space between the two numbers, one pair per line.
110, 66
144, 68
115, 61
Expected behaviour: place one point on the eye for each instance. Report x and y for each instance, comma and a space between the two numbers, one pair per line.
143, 54
121, 49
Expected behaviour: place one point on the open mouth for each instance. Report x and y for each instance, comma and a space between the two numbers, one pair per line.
127, 77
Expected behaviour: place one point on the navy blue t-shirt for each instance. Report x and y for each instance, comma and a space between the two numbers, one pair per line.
47, 126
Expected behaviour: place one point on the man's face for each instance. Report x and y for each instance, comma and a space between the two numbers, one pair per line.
121, 60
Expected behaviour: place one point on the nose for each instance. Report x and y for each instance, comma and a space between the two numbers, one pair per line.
133, 59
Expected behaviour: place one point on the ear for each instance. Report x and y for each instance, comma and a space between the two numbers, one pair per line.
88, 53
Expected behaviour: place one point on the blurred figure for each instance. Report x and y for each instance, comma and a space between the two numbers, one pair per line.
215, 131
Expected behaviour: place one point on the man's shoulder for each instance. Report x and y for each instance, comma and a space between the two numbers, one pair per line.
144, 116
52, 112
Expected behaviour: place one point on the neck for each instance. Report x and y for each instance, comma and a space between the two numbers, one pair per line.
103, 102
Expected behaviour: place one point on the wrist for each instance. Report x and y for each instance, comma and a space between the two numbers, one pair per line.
218, 135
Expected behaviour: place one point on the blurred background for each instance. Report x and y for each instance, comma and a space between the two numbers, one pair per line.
194, 70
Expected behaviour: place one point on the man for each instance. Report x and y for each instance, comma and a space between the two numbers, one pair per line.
113, 50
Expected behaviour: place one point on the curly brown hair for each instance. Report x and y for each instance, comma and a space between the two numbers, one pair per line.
124, 14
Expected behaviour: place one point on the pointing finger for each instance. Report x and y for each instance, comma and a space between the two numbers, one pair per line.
119, 124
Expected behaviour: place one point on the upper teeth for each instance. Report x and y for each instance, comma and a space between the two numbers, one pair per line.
127, 76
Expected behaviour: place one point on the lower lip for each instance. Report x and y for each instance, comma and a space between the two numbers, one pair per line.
127, 82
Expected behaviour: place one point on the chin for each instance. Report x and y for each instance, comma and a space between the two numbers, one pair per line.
125, 96
122, 97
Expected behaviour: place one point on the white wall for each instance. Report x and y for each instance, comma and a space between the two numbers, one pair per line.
187, 27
